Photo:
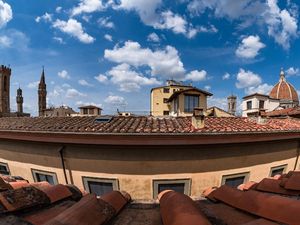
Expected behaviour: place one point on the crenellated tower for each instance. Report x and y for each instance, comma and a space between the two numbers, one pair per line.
5, 73
19, 99
42, 94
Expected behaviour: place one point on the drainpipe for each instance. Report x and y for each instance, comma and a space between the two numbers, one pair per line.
297, 157
61, 152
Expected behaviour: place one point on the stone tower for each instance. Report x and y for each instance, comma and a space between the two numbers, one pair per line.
19, 100
231, 104
5, 73
42, 94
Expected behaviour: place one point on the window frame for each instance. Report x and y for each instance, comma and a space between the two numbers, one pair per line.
186, 181
165, 112
114, 181
259, 104
7, 168
166, 90
165, 100
236, 175
43, 172
249, 102
188, 110
284, 167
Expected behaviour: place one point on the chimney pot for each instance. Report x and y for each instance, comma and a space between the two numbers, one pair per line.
198, 118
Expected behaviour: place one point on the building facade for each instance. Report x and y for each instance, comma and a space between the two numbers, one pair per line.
144, 155
89, 110
283, 95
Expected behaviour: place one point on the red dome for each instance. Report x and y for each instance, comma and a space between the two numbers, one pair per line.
284, 90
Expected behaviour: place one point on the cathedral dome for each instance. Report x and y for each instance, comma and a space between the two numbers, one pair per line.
284, 90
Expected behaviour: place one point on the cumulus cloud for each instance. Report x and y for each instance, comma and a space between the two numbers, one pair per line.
115, 100
75, 29
88, 6
153, 37
282, 26
105, 22
5, 13
108, 37
226, 76
128, 79
58, 9
5, 41
250, 47
73, 93
46, 17
261, 89
196, 75
247, 79
64, 74
101, 78
292, 71
165, 62
83, 82
59, 40
33, 85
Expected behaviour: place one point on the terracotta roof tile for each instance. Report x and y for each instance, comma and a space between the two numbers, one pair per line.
57, 192
115, 199
146, 124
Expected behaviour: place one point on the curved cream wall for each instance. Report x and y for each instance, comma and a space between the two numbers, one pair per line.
136, 167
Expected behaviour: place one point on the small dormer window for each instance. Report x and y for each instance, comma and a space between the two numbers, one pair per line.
103, 119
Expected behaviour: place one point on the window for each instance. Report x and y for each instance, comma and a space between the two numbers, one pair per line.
261, 104
166, 100
166, 90
91, 111
5, 83
181, 186
190, 102
278, 170
85, 111
249, 105
100, 186
4, 170
166, 113
40, 176
235, 180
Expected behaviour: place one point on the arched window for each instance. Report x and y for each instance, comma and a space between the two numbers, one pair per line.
5, 83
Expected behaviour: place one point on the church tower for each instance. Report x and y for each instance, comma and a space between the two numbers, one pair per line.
231, 104
42, 94
5, 73
19, 100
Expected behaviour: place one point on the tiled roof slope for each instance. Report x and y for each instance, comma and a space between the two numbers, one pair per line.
269, 202
284, 112
145, 124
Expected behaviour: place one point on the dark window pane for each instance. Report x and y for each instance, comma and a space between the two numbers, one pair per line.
261, 104
166, 113
43, 177
3, 170
165, 100
175, 187
277, 172
249, 105
100, 188
190, 102
235, 181
166, 90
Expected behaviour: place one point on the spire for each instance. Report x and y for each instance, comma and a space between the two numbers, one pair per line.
282, 75
42, 81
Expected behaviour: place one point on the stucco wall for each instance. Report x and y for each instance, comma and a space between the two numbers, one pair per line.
136, 166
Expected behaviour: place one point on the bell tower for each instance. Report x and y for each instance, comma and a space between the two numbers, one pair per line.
19, 99
42, 94
231, 104
5, 73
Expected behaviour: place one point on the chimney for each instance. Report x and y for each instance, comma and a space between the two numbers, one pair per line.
261, 119
198, 118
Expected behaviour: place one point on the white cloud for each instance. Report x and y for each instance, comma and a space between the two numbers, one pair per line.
115, 100
247, 79
196, 75
282, 26
250, 47
108, 37
88, 6
218, 102
292, 71
73, 93
128, 79
73, 28
33, 85
64, 74
58, 9
5, 41
226, 76
84, 83
153, 37
105, 22
207, 87
59, 40
209, 29
261, 89
46, 17
101, 78
164, 62
5, 13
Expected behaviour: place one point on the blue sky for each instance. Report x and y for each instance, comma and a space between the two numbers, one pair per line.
112, 52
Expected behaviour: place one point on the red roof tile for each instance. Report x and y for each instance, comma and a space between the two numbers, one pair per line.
57, 192
115, 199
